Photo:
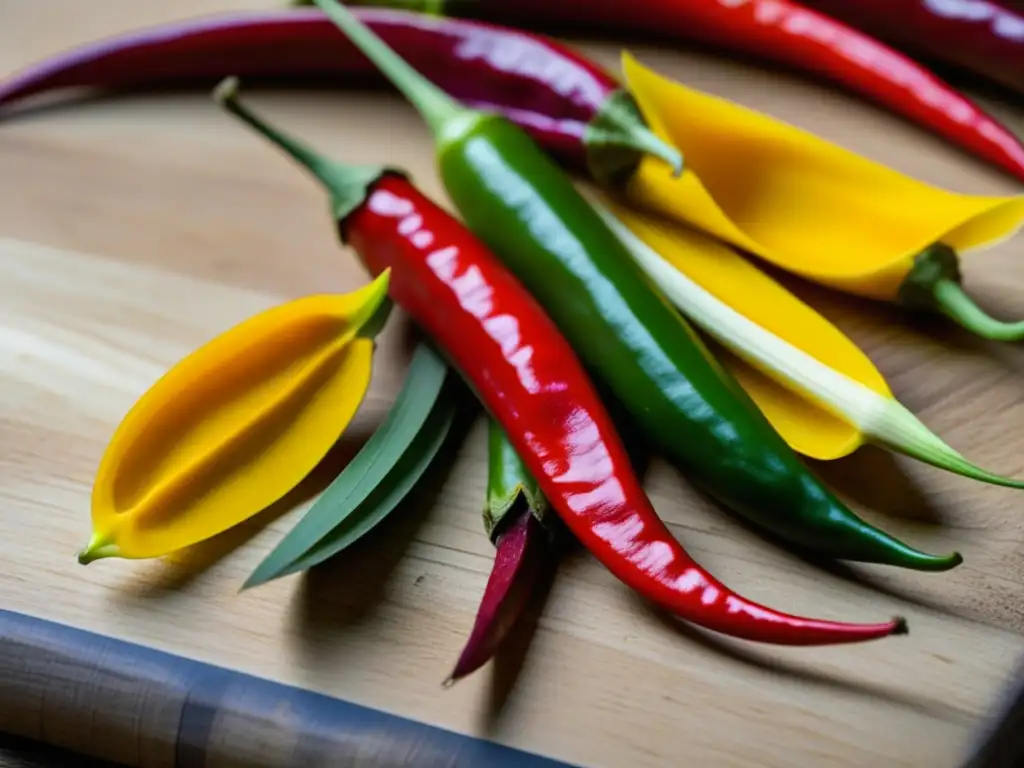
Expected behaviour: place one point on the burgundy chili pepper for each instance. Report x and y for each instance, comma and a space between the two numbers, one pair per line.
577, 111
980, 36
788, 33
513, 518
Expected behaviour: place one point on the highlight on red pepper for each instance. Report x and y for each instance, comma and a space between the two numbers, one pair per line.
815, 209
514, 518
529, 378
531, 215
574, 108
801, 39
381, 475
236, 425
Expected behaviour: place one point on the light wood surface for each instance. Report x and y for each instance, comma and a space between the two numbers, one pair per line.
133, 229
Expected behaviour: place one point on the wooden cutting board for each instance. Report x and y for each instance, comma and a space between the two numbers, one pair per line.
134, 229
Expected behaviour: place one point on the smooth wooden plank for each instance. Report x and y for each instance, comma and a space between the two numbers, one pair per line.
134, 229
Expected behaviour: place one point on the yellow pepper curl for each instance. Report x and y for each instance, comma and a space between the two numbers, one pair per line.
235, 425
813, 208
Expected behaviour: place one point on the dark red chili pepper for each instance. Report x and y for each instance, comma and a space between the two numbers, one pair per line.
787, 33
512, 516
576, 110
532, 383
980, 36
521, 550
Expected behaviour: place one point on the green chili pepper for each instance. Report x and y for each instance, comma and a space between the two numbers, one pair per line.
508, 482
527, 210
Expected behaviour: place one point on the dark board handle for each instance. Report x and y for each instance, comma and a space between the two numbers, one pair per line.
138, 706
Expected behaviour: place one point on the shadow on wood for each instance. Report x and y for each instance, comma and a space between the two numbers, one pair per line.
748, 656
871, 476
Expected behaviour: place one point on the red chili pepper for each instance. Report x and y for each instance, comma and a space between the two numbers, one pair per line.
787, 33
575, 109
532, 383
981, 36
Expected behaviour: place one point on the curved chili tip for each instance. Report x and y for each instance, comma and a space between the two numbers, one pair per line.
877, 546
825, 632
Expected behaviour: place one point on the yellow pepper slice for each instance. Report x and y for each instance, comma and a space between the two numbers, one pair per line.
813, 208
235, 425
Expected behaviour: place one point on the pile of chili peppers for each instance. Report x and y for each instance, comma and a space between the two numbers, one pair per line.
564, 321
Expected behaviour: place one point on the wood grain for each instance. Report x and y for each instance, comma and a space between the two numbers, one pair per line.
133, 229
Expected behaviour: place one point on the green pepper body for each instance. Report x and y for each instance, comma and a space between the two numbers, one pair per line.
530, 214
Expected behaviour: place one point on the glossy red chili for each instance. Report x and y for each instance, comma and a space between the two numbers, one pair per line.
528, 376
576, 110
980, 36
788, 33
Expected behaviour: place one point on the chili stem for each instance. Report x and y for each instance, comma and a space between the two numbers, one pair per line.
441, 112
953, 302
347, 184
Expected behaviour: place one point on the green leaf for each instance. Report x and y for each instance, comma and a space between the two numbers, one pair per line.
379, 477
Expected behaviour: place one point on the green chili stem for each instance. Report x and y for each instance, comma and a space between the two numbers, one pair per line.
618, 137
441, 112
347, 184
644, 140
953, 302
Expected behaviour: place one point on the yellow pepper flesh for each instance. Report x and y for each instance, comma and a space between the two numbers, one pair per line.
234, 426
796, 200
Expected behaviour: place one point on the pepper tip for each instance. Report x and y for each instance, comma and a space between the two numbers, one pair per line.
940, 563
227, 89
900, 626
99, 547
